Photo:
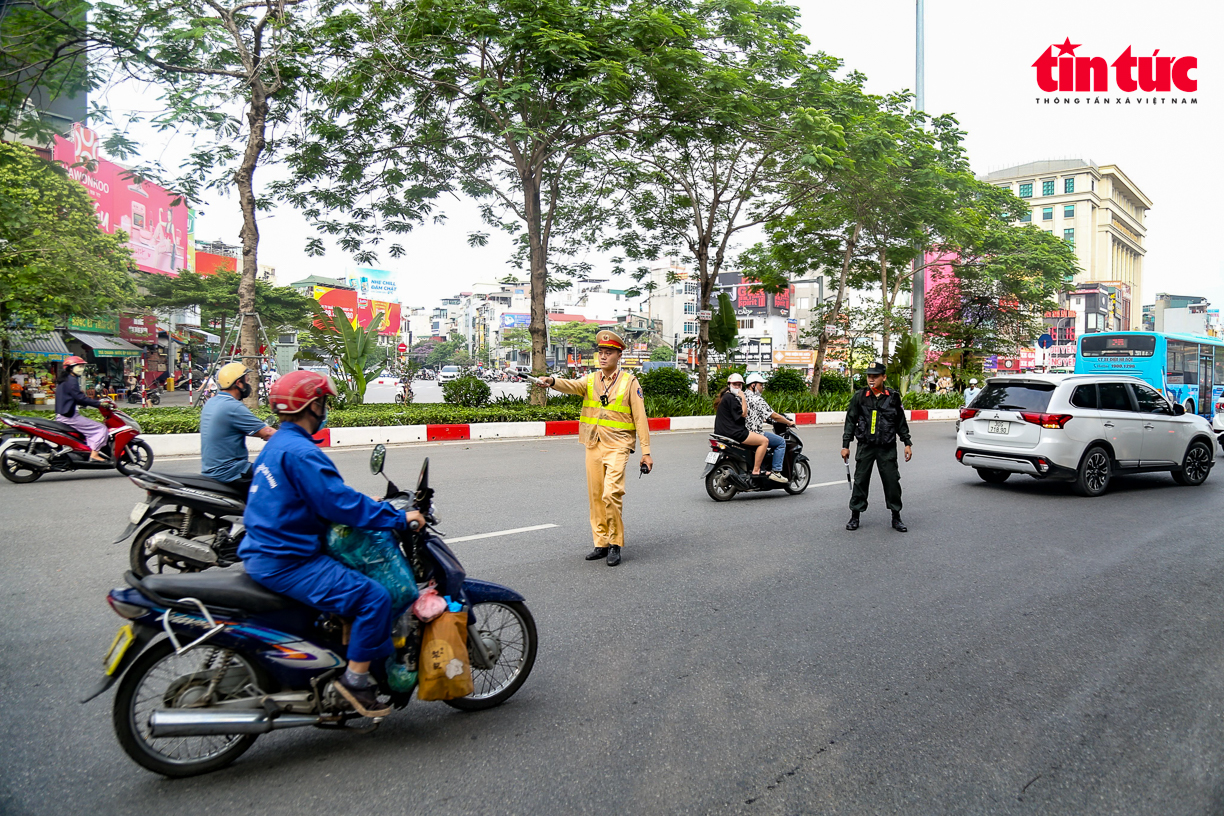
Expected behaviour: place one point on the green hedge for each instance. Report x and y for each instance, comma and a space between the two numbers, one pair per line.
187, 420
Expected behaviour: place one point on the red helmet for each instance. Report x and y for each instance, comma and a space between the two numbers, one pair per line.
297, 389
73, 361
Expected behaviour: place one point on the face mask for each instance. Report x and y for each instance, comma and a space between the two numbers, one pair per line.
735, 388
322, 419
78, 370
244, 390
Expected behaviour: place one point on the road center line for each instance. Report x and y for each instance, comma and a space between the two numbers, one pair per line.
826, 484
500, 533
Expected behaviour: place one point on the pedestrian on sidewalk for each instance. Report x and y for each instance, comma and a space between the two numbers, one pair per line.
613, 414
875, 419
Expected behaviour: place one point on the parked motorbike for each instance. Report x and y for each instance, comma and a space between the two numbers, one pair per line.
239, 660
728, 468
141, 394
53, 447
187, 523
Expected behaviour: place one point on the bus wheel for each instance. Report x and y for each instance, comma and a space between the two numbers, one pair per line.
1189, 406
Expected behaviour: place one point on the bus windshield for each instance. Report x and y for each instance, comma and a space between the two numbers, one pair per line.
1117, 345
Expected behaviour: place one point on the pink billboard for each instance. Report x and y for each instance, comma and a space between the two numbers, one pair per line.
157, 231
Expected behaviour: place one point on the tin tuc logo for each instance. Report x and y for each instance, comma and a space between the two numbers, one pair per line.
1065, 71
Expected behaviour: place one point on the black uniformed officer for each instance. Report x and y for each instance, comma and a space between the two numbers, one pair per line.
875, 419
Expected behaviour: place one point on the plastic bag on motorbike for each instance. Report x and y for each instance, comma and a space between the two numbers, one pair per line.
445, 672
375, 554
429, 605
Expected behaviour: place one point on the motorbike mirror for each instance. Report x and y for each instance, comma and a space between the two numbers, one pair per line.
423, 479
377, 457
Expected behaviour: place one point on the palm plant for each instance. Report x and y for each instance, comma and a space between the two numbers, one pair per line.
350, 349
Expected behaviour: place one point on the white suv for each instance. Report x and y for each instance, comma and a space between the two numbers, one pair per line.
1081, 428
449, 373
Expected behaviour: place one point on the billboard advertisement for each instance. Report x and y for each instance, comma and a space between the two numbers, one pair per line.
748, 302
515, 321
360, 311
208, 263
374, 284
157, 231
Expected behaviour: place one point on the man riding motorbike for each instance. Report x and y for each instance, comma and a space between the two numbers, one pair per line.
759, 413
69, 397
225, 423
296, 493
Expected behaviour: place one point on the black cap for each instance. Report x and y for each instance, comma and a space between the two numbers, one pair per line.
875, 368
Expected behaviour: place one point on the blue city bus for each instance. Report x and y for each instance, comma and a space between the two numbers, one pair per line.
1189, 370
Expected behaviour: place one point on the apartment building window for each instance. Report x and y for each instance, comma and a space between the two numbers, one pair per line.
803, 302
746, 323
1027, 217
1069, 236
1047, 213
690, 328
690, 307
1047, 187
1069, 185
1026, 190
691, 288
1068, 211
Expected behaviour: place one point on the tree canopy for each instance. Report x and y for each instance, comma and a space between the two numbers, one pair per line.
218, 299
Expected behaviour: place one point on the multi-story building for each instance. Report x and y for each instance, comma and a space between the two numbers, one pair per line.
591, 298
1098, 210
672, 299
1179, 314
809, 294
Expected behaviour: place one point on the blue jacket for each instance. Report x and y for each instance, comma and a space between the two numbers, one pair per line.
68, 396
297, 493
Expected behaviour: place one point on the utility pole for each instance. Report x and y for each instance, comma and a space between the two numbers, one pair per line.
918, 299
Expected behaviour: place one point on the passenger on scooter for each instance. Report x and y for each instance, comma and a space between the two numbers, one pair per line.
296, 494
225, 423
69, 397
731, 408
759, 413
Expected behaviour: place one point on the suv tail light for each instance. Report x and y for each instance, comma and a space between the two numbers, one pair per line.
1046, 420
968, 413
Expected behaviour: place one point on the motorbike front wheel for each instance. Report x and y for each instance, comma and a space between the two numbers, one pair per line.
161, 679
19, 472
508, 632
720, 483
801, 474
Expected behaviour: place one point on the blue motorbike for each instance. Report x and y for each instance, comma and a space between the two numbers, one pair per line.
238, 660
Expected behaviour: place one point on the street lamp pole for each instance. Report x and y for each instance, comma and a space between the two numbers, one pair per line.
919, 283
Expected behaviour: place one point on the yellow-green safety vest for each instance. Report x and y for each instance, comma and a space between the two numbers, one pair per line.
617, 403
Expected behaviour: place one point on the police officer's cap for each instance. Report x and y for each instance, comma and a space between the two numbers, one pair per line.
876, 368
609, 339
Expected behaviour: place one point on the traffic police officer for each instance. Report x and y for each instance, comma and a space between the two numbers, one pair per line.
875, 419
613, 413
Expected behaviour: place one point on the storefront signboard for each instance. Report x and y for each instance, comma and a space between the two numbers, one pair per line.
138, 329
97, 325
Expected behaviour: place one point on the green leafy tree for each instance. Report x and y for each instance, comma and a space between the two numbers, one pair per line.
43, 57
510, 103
227, 69
662, 354
54, 260
218, 299
354, 350
516, 340
581, 337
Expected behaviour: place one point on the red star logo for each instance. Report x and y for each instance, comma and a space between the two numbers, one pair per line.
1067, 48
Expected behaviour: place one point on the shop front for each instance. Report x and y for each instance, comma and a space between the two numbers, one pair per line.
104, 352
35, 363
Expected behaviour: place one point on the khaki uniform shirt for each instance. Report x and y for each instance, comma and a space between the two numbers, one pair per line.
620, 421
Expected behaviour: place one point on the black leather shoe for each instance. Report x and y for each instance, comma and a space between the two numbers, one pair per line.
597, 553
899, 525
853, 523
613, 556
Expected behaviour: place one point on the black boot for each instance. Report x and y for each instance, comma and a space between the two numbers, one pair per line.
853, 523
597, 553
898, 524
613, 555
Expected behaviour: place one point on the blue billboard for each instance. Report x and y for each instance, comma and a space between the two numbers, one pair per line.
515, 321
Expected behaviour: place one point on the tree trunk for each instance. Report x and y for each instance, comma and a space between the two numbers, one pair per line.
703, 326
539, 282
823, 346
886, 318
244, 177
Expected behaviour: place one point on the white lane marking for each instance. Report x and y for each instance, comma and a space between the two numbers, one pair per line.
500, 533
826, 484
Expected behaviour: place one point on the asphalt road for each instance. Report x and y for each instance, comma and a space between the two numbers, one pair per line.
1020, 650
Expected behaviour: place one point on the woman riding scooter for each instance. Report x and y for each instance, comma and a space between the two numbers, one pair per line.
731, 408
69, 397
759, 413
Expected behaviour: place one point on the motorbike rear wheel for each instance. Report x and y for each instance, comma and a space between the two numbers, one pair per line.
801, 474
136, 453
19, 472
161, 679
145, 562
720, 483
509, 633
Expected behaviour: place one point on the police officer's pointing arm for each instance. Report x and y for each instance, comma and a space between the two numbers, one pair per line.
564, 386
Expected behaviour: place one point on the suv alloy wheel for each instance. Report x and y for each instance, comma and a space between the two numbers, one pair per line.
1095, 469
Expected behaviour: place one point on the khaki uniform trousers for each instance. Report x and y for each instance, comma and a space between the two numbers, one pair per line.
605, 468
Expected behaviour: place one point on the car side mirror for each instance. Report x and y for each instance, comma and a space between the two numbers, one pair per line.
1179, 410
377, 457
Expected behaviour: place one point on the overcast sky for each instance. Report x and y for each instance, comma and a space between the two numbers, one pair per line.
978, 67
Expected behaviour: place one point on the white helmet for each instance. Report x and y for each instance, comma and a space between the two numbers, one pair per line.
736, 378
973, 381
755, 377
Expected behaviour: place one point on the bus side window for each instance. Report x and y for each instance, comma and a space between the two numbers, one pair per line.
1084, 396
1219, 366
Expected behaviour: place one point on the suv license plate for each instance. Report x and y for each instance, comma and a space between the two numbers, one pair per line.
712, 457
998, 427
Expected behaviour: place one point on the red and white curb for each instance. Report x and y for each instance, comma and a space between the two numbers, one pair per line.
189, 444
